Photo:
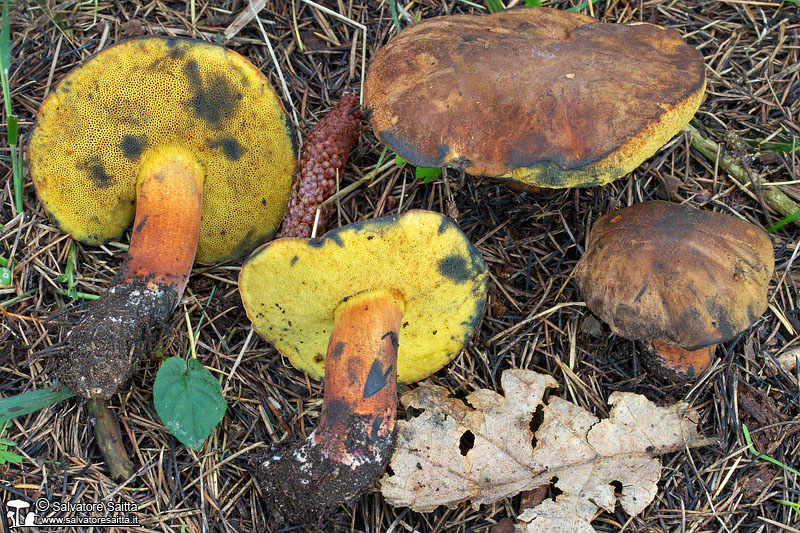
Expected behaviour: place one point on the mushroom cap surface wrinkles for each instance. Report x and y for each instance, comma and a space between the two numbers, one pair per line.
291, 288
110, 115
668, 272
538, 95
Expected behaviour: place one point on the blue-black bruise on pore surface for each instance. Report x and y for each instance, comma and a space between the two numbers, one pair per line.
228, 145
96, 172
213, 100
132, 146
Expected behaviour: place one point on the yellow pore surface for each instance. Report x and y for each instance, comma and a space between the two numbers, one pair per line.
151, 94
291, 288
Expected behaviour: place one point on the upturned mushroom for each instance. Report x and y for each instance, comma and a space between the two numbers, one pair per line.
187, 140
367, 305
182, 137
542, 96
681, 280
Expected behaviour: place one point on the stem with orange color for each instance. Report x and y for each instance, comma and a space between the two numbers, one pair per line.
674, 362
352, 444
105, 348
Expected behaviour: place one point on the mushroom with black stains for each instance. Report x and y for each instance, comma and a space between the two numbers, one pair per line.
680, 279
367, 305
187, 137
538, 95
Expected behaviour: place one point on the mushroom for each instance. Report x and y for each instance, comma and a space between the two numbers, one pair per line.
191, 139
542, 96
367, 305
680, 279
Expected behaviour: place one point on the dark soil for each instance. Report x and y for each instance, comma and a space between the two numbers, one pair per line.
302, 483
108, 344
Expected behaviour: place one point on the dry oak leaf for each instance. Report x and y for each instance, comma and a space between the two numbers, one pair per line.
588, 457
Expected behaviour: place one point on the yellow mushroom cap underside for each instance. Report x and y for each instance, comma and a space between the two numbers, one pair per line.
538, 95
291, 287
95, 129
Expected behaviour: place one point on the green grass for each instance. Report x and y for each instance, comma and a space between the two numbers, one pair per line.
5, 65
779, 145
582, 5
31, 401
19, 297
782, 222
7, 456
68, 277
758, 455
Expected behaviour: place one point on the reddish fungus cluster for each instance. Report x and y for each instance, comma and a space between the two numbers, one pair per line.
324, 157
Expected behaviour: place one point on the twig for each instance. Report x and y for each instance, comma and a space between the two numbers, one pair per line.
773, 197
109, 439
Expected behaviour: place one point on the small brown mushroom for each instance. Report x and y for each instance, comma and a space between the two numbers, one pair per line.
680, 279
542, 96
367, 305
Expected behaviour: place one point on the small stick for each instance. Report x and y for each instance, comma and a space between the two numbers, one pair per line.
773, 197
109, 439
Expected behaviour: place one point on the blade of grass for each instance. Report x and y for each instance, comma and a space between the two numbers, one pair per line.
5, 65
196, 334
782, 222
759, 455
28, 402
18, 298
793, 505
395, 17
582, 5
494, 6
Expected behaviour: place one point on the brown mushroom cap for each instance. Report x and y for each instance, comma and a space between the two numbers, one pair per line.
671, 273
97, 128
538, 95
291, 288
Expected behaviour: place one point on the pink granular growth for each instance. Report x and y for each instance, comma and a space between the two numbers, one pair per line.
324, 154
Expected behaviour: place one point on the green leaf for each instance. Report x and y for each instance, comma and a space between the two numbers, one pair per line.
5, 277
427, 174
31, 401
188, 399
533, 2
12, 129
494, 5
10, 457
7, 442
399, 161
779, 145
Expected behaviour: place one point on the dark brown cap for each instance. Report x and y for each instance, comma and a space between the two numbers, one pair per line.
538, 95
667, 272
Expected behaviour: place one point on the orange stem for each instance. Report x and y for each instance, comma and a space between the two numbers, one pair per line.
167, 226
674, 361
361, 374
349, 449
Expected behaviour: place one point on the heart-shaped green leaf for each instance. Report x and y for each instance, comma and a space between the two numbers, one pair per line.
188, 399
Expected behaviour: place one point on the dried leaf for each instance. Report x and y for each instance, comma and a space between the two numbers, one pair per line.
586, 456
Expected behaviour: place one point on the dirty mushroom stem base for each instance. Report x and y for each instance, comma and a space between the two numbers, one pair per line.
350, 447
105, 347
